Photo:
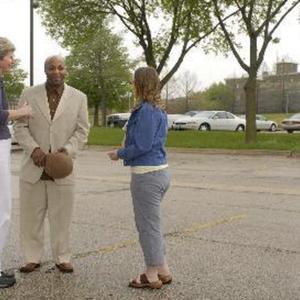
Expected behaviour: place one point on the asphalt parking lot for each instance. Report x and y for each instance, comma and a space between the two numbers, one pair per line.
231, 224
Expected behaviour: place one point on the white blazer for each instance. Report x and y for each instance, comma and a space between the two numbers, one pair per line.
69, 128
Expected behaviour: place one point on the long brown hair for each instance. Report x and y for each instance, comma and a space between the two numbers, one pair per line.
147, 86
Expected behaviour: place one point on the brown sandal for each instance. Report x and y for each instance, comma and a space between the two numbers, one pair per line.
145, 284
165, 279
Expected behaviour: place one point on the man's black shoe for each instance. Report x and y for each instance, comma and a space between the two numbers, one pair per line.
7, 274
7, 280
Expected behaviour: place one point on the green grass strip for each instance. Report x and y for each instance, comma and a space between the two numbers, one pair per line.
198, 139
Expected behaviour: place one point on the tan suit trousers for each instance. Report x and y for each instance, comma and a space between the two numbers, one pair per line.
35, 201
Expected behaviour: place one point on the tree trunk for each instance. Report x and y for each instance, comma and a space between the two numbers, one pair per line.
103, 107
101, 86
103, 99
96, 115
250, 92
186, 103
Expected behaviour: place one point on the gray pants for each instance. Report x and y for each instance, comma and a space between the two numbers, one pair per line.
147, 191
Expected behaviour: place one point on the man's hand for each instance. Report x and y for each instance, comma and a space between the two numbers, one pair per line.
39, 157
113, 155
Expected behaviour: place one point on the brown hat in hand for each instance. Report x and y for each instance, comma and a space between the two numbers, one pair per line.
58, 165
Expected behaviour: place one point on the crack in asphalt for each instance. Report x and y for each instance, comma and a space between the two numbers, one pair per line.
252, 246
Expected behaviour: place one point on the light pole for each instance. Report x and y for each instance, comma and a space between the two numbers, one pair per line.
33, 5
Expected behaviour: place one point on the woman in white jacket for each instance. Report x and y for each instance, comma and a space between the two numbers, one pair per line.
6, 61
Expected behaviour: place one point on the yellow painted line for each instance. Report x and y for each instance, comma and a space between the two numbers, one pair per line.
185, 232
197, 227
206, 186
108, 249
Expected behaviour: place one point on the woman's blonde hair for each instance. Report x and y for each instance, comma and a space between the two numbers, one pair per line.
6, 46
147, 86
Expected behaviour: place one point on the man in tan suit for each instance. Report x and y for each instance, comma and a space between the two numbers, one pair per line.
59, 123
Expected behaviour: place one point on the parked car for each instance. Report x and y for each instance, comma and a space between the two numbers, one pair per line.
262, 123
191, 113
186, 116
12, 133
172, 118
291, 124
117, 119
212, 120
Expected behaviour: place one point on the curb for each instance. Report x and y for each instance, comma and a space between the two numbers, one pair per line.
249, 152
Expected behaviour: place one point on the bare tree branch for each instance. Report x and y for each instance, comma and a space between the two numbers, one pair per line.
283, 16
228, 38
272, 15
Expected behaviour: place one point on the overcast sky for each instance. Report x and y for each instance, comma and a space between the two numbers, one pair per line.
14, 24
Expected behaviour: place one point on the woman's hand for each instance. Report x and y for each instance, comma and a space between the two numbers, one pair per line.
24, 111
113, 155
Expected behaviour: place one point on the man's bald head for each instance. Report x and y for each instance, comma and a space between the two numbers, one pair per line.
52, 58
55, 70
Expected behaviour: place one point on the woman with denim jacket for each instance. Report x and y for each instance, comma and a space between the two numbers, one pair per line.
144, 151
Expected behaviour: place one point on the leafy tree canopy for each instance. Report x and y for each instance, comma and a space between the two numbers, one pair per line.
157, 25
218, 96
100, 67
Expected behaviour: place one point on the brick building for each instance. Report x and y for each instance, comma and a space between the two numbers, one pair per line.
279, 92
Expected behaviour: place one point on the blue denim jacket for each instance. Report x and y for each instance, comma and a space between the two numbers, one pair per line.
145, 137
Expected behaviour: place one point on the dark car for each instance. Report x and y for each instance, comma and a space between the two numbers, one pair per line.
117, 119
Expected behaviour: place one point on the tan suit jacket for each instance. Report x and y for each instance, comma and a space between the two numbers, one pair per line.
69, 128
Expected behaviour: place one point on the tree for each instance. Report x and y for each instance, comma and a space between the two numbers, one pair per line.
182, 24
258, 20
218, 97
188, 82
14, 82
71, 21
170, 91
100, 67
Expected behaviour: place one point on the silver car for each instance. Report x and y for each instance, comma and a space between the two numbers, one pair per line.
291, 124
262, 123
172, 119
212, 120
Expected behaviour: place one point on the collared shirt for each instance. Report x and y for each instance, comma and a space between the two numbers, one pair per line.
4, 131
54, 95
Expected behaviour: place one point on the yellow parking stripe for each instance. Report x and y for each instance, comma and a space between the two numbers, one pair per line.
197, 227
185, 232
